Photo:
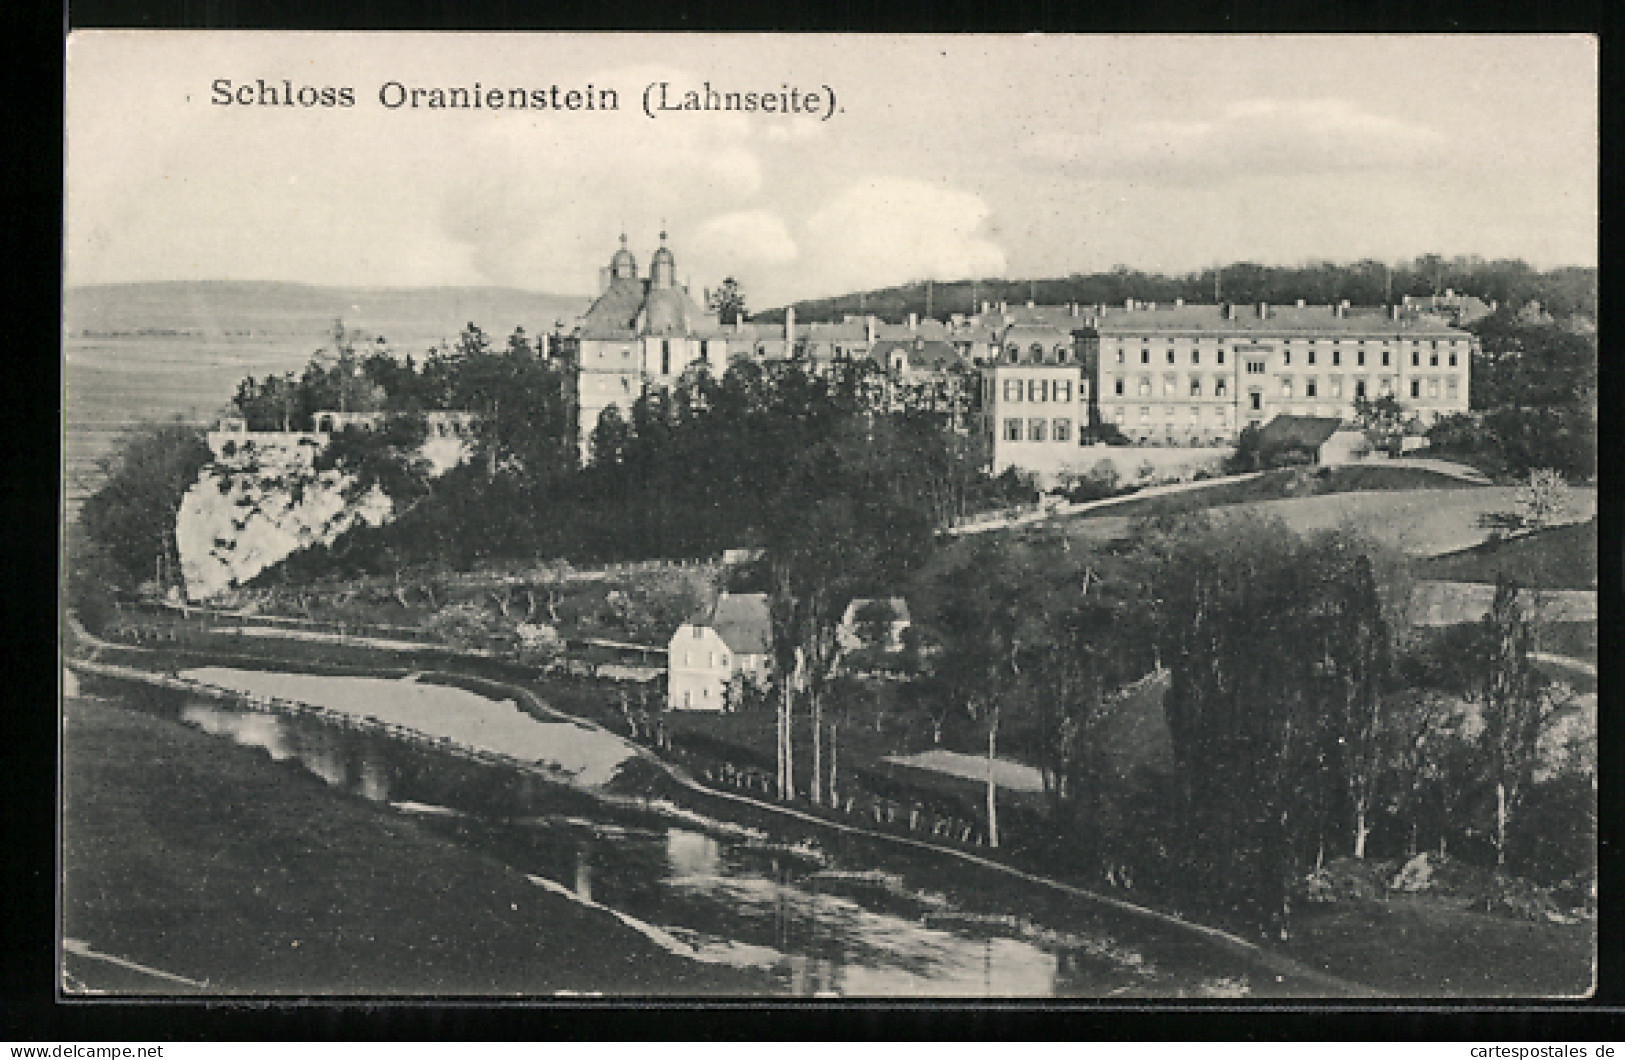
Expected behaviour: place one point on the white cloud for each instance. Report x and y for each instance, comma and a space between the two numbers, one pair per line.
1247, 138
749, 236
892, 230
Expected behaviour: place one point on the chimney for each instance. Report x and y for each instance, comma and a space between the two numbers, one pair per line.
1263, 311
789, 327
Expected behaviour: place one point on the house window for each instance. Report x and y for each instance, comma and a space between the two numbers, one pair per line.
1385, 361
1221, 387
1169, 385
1255, 367
1452, 356
697, 633
1170, 355
1416, 359
1083, 390
1452, 390
1433, 389
705, 351
1359, 358
1416, 388
1063, 430
713, 662
1012, 390
1337, 358
724, 660
1038, 390
1196, 356
688, 699
1035, 353
1311, 357
1063, 390
1309, 388
1337, 386
665, 356
1256, 399
1036, 429
1012, 430
1286, 356
1196, 387
1120, 357
1145, 356
1118, 386
1060, 355
1145, 414
1385, 386
1433, 359
1145, 386
1359, 388
1221, 355
1286, 388
1120, 417
1196, 413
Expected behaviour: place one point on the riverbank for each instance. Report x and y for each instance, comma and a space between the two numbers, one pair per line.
209, 863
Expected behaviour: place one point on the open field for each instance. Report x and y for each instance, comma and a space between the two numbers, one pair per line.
209, 861
1563, 557
1419, 522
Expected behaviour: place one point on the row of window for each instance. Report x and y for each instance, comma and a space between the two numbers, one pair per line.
1311, 387
1286, 358
1037, 354
1146, 340
1219, 414
1038, 429
1043, 390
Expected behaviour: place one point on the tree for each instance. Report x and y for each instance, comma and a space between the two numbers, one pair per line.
1515, 710
1357, 658
1543, 499
728, 301
130, 519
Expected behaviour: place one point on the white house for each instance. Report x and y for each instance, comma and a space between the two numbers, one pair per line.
735, 636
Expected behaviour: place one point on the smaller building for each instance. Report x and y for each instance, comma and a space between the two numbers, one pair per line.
731, 639
1303, 440
851, 635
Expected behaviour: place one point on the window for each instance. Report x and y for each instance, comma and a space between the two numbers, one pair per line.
1385, 361
1218, 413
1012, 390
1012, 430
1196, 387
1063, 390
713, 662
1196, 356
1385, 386
1145, 386
1433, 359
1416, 388
1416, 359
1286, 356
1452, 355
626, 355
1145, 414
1221, 355
1168, 412
1036, 353
1433, 389
1196, 413
1145, 356
1255, 367
665, 356
1120, 356
1118, 386
1359, 358
1337, 386
1256, 399
1083, 390
1170, 383
1170, 355
1452, 389
1359, 388
1038, 390
1337, 358
1036, 429
1061, 356
1063, 430
1311, 357
1286, 388
1221, 387
1120, 417
1309, 388
697, 633
705, 351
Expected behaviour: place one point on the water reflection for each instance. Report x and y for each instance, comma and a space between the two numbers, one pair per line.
819, 918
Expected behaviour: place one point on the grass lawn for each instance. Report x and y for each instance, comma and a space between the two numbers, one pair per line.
1420, 522
1561, 557
209, 861
1426, 946
1283, 483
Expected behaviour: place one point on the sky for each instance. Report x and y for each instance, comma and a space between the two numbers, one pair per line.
941, 157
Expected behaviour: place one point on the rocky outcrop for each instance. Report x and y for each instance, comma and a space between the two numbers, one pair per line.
257, 505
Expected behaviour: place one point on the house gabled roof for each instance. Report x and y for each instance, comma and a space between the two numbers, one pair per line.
1309, 432
923, 354
743, 622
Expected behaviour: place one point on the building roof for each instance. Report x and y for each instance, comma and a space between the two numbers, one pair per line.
1308, 432
923, 354
743, 621
1209, 319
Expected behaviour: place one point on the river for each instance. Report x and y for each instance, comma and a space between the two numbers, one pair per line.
825, 914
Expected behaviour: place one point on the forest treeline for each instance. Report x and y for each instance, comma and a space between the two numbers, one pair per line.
1564, 292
